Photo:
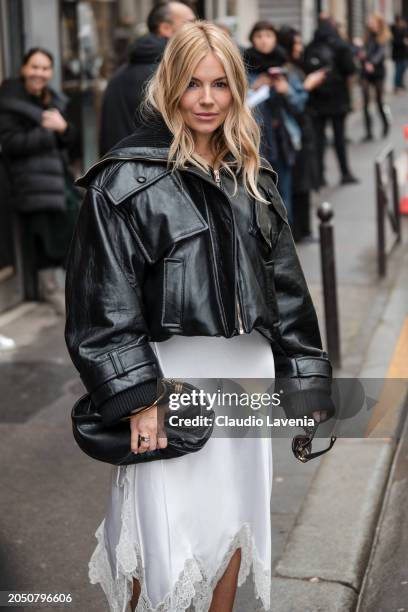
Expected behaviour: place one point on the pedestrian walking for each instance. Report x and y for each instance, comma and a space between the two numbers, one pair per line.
35, 137
305, 171
331, 101
399, 31
280, 133
124, 92
372, 58
170, 274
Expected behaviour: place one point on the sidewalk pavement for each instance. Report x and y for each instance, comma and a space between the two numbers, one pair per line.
325, 559
323, 513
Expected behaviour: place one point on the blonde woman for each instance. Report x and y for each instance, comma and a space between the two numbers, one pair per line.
373, 71
183, 264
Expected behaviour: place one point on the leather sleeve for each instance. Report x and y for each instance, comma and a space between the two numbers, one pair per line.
301, 364
105, 331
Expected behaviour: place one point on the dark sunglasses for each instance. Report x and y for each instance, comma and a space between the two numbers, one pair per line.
302, 445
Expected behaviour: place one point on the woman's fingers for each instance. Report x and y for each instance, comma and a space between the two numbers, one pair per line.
320, 415
161, 431
147, 425
134, 436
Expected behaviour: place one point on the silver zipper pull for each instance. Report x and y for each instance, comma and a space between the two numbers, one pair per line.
240, 326
217, 177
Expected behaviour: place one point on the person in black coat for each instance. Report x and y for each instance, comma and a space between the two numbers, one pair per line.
35, 138
125, 90
331, 101
399, 31
305, 170
373, 71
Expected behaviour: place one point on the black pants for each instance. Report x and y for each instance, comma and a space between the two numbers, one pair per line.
378, 86
338, 124
301, 215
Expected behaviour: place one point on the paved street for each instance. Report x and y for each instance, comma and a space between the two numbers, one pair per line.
53, 497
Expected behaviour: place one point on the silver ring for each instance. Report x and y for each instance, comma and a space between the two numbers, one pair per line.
144, 438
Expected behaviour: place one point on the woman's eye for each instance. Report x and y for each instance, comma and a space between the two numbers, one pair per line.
221, 84
192, 84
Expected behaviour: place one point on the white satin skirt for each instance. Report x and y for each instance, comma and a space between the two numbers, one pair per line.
175, 524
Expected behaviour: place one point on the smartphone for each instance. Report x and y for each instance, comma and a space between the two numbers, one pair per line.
277, 71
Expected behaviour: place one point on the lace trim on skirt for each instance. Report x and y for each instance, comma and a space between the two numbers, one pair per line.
193, 586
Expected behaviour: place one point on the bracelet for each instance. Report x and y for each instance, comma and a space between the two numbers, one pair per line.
144, 408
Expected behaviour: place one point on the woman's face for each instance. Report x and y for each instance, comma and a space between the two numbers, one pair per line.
372, 24
207, 99
297, 47
37, 73
264, 41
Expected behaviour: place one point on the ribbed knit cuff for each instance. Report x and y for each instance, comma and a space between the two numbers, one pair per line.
304, 403
123, 403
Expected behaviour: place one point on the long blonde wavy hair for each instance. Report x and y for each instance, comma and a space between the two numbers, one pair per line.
383, 34
238, 135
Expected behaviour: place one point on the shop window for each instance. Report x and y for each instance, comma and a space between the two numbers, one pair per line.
95, 39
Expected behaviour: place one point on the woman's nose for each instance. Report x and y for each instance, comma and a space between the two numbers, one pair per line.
206, 96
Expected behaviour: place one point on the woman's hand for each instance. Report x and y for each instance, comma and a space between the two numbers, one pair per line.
320, 416
263, 79
314, 79
149, 423
53, 120
280, 84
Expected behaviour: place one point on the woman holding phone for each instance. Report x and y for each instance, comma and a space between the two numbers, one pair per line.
280, 132
183, 264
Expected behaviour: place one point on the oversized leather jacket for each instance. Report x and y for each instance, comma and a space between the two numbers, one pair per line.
157, 253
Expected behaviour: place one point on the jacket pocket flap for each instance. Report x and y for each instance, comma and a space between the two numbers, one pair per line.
131, 178
175, 218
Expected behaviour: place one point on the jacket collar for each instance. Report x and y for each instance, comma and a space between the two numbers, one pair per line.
149, 142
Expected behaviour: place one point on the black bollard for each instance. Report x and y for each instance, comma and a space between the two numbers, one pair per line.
381, 203
328, 264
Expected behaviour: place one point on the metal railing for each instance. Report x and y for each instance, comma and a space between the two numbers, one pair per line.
387, 201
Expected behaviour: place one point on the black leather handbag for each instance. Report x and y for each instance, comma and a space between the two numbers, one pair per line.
112, 444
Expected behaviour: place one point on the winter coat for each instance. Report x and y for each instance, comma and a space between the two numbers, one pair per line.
328, 50
35, 157
158, 253
305, 170
399, 43
257, 62
124, 93
280, 132
375, 54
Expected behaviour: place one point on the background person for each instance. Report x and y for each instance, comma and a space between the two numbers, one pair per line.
35, 138
399, 31
280, 133
124, 92
330, 103
372, 57
305, 171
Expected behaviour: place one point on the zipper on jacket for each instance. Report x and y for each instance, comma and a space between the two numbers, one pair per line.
240, 326
217, 178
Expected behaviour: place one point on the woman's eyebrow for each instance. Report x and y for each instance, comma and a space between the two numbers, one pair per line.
220, 78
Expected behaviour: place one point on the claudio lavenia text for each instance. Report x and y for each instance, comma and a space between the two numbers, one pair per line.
223, 420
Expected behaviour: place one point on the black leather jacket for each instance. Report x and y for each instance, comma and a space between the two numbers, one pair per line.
156, 254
